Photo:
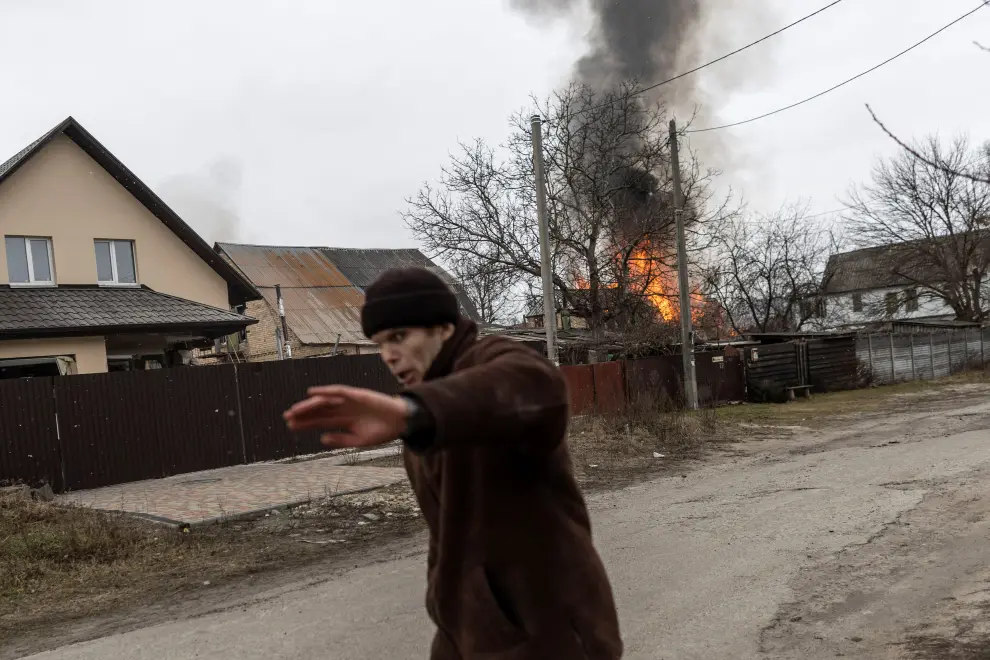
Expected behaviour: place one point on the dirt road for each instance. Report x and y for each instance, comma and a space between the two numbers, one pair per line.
867, 541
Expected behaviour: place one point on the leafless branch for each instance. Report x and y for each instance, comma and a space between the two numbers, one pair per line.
934, 222
914, 152
768, 272
610, 205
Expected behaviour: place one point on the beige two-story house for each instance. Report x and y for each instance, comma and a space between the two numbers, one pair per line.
97, 273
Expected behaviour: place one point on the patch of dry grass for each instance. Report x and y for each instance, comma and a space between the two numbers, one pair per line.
838, 405
650, 436
59, 563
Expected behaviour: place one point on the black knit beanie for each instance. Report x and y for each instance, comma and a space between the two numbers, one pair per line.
407, 298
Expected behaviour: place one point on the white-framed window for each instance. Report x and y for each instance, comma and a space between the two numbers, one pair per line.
115, 262
29, 260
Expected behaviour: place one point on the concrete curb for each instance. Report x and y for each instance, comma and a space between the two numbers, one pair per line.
244, 515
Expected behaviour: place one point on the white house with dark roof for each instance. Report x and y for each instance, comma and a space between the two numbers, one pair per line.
97, 273
878, 284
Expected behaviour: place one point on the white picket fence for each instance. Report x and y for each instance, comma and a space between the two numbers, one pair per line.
896, 358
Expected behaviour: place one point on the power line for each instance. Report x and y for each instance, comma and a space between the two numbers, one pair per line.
707, 64
843, 83
833, 211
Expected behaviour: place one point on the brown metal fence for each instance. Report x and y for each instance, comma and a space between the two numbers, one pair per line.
655, 380
122, 427
103, 429
608, 387
29, 448
721, 378
267, 388
580, 387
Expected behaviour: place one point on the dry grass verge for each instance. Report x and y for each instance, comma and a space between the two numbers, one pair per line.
838, 406
59, 563
610, 451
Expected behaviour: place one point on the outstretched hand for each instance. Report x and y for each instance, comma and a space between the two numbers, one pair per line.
349, 416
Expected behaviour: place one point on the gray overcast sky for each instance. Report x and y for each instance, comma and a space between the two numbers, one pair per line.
308, 122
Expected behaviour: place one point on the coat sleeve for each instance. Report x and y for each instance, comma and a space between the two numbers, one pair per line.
513, 397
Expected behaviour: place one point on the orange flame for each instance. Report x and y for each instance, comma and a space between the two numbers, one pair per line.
659, 284
657, 281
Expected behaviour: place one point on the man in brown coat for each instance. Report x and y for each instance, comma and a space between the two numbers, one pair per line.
512, 572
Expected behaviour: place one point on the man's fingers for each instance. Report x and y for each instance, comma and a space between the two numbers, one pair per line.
340, 440
341, 391
319, 422
307, 406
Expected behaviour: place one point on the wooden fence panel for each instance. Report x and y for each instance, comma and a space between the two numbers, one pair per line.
832, 364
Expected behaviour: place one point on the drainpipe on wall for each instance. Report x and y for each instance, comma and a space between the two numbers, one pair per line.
281, 315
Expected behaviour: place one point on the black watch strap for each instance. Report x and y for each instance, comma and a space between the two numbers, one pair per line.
420, 425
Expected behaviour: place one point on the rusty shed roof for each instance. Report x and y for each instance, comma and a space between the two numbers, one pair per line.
320, 302
323, 288
362, 267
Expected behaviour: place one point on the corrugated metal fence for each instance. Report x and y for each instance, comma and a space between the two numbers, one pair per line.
103, 429
610, 386
894, 358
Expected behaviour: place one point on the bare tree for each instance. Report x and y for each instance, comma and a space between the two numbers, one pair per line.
768, 272
609, 198
927, 205
982, 177
490, 285
975, 171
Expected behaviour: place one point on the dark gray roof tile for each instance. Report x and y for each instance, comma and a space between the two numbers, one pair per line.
48, 310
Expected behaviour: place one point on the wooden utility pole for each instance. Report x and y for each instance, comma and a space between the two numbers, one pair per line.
549, 307
684, 287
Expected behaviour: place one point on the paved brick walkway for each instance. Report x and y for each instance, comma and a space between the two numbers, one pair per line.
203, 497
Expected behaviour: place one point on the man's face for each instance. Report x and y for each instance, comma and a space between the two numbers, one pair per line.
409, 352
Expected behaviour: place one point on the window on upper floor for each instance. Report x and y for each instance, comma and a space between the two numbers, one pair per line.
893, 302
29, 260
115, 262
911, 302
857, 299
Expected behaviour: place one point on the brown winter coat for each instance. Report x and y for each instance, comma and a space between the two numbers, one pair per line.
512, 572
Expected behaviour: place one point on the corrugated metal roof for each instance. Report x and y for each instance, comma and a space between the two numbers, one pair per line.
362, 267
323, 288
320, 302
318, 315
